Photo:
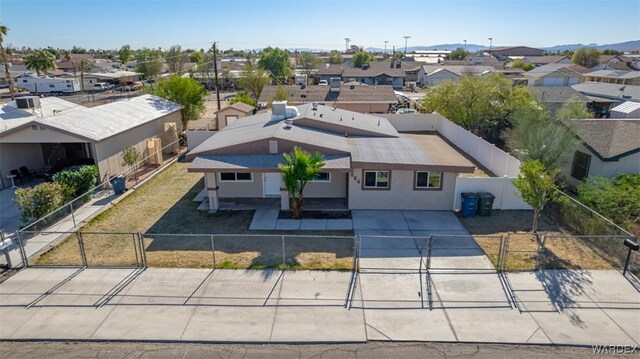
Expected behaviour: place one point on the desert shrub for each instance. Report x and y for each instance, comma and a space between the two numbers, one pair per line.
39, 201
77, 179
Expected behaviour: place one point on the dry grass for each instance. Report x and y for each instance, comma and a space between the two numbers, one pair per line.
562, 250
164, 205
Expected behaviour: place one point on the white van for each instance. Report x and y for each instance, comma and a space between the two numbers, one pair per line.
100, 86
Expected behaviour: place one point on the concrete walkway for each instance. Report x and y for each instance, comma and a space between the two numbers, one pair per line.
267, 219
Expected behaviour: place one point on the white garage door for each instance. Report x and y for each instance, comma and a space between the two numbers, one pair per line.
552, 81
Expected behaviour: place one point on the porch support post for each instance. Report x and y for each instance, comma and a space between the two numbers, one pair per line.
212, 191
284, 199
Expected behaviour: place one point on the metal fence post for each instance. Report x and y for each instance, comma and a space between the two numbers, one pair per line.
23, 252
83, 254
429, 247
505, 260
5, 250
284, 255
213, 251
73, 217
143, 251
359, 251
355, 253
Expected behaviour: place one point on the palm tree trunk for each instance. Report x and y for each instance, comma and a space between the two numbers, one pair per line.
297, 206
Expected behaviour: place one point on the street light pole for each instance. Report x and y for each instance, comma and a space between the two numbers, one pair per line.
385, 47
405, 44
347, 41
465, 45
490, 45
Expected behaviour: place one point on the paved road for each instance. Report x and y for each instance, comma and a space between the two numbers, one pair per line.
369, 350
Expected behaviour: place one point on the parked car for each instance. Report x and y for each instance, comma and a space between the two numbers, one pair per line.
323, 83
401, 111
100, 86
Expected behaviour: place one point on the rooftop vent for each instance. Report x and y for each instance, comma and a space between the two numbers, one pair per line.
314, 106
279, 108
28, 102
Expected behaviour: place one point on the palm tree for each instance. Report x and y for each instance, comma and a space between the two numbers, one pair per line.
299, 168
40, 61
5, 54
67, 56
85, 65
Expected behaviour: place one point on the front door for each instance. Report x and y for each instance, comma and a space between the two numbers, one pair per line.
271, 184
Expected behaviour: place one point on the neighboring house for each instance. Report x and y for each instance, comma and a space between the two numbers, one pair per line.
502, 53
74, 63
429, 56
375, 73
555, 75
617, 62
350, 96
369, 165
620, 77
231, 113
606, 96
626, 110
429, 75
555, 97
608, 148
53, 130
46, 84
116, 78
538, 61
475, 61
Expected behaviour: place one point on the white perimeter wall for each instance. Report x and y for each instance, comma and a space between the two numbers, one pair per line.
500, 163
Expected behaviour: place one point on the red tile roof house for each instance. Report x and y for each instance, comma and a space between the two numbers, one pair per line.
369, 164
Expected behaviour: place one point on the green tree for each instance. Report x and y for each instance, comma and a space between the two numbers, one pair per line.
37, 202
611, 52
586, 56
299, 168
244, 98
5, 55
308, 62
79, 180
484, 105
281, 94
176, 58
518, 63
150, 63
537, 187
186, 92
617, 198
196, 57
124, 54
40, 61
275, 61
131, 157
536, 136
458, 54
335, 58
361, 58
573, 110
254, 80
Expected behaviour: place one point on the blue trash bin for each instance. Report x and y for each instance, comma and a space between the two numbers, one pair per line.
469, 204
119, 184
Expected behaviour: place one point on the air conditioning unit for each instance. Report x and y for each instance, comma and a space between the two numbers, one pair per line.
28, 102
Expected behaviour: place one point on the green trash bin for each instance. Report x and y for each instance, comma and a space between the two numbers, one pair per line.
485, 203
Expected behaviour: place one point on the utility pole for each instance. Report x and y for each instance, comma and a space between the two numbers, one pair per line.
405, 44
490, 45
215, 73
346, 46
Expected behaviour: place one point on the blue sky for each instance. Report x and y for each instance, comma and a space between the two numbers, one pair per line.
316, 24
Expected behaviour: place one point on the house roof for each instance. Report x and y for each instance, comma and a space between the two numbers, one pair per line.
567, 69
347, 93
544, 59
613, 91
614, 74
377, 68
330, 70
609, 139
113, 75
240, 106
459, 70
560, 94
626, 107
370, 141
101, 122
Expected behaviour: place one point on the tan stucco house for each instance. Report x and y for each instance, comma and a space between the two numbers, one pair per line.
231, 113
369, 164
55, 130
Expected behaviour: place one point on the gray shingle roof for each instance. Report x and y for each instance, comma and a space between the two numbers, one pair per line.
460, 70
609, 138
557, 94
568, 69
614, 74
613, 91
260, 162
347, 93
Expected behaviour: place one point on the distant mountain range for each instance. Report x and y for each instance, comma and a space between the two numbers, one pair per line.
621, 46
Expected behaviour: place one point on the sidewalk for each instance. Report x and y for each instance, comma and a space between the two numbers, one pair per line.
271, 306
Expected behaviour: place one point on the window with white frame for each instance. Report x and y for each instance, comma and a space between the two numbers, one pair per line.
235, 177
323, 177
428, 180
376, 179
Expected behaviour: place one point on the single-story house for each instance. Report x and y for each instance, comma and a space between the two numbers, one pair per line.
605, 96
474, 61
374, 73
617, 62
555, 97
555, 75
430, 75
116, 78
505, 51
368, 163
233, 112
359, 98
51, 129
538, 61
608, 147
619, 77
